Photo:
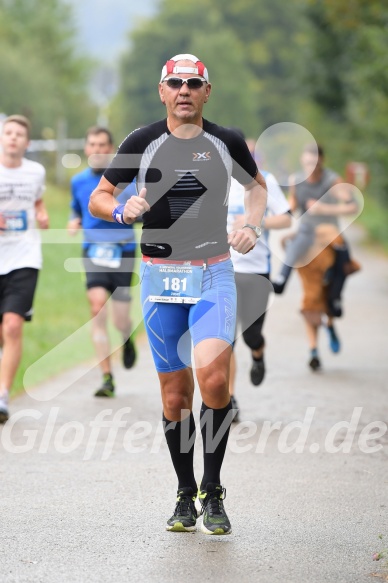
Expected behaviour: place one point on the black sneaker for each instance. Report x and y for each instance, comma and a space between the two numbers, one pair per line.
4, 413
279, 283
215, 520
235, 408
185, 513
257, 372
278, 288
129, 354
107, 388
315, 363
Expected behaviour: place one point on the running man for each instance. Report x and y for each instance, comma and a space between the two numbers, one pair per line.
22, 183
108, 256
183, 166
252, 273
322, 197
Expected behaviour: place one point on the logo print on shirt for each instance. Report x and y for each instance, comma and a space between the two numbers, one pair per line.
197, 156
185, 197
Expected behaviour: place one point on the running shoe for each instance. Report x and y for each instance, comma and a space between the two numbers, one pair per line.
4, 412
235, 408
215, 520
257, 372
279, 284
185, 513
334, 341
315, 363
107, 388
278, 288
129, 354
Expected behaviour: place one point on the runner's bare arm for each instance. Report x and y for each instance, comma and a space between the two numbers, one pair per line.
292, 200
41, 214
102, 202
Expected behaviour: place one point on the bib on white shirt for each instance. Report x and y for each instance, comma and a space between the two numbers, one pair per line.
20, 242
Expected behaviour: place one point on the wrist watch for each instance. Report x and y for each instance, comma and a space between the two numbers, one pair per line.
257, 230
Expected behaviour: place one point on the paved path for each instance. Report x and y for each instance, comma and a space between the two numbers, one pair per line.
84, 503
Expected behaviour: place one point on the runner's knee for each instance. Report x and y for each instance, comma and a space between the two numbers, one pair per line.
253, 337
174, 403
214, 384
12, 326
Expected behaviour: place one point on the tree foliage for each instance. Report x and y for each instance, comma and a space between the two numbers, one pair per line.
348, 78
247, 49
320, 63
41, 74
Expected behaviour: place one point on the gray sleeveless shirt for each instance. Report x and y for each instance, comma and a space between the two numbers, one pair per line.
315, 190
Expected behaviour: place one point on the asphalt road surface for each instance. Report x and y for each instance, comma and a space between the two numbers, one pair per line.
87, 484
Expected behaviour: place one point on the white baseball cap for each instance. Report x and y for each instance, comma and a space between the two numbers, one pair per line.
170, 67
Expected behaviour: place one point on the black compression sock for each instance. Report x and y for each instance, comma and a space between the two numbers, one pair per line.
180, 437
215, 425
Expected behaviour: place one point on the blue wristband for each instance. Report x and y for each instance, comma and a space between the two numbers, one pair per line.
118, 214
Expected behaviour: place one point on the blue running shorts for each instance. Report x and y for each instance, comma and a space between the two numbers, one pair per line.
172, 328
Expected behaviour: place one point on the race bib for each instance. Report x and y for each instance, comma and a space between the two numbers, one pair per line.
13, 221
105, 255
176, 284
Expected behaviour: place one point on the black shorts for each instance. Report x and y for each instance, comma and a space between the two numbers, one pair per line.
116, 281
17, 289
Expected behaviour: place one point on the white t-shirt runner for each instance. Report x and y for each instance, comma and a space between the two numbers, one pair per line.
20, 242
257, 260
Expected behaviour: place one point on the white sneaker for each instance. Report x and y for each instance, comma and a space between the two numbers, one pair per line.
4, 413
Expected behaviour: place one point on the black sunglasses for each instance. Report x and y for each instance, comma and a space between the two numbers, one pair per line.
177, 82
